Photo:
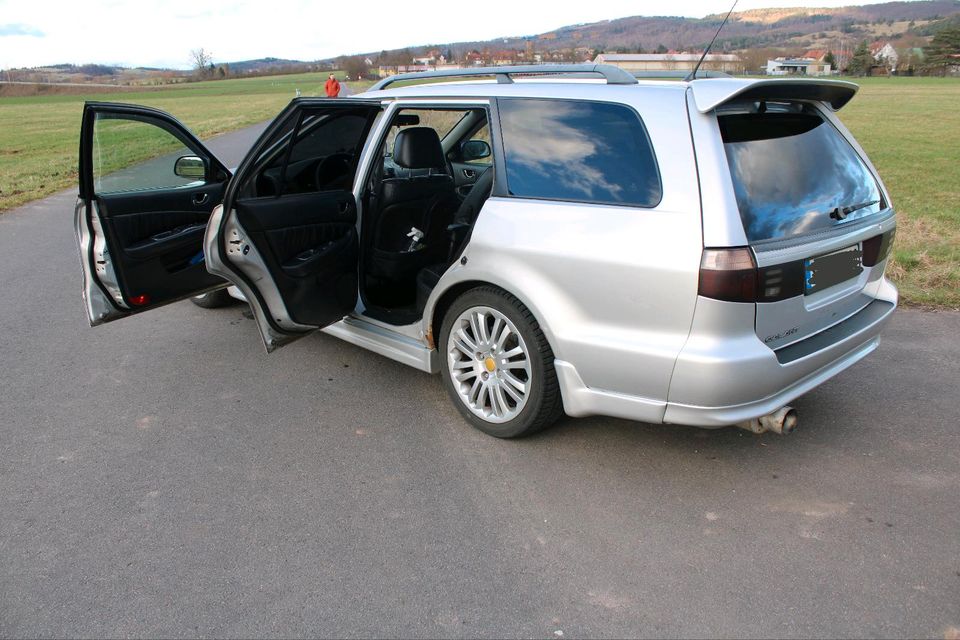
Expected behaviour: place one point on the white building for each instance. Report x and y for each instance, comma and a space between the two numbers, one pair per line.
653, 62
797, 67
885, 55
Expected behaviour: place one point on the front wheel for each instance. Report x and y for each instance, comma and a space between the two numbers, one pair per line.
497, 365
213, 299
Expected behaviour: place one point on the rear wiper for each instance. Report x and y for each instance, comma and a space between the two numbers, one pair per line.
839, 213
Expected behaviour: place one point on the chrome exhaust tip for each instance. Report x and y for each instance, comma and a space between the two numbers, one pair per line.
782, 421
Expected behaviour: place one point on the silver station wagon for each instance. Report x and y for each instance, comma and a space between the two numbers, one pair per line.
547, 239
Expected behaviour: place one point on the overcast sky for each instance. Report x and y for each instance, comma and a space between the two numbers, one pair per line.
161, 33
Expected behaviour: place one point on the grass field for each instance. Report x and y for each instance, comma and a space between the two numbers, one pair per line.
39, 134
910, 127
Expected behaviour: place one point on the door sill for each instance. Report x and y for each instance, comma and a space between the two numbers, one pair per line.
386, 342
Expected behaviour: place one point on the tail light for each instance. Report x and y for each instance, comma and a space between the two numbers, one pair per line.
877, 248
732, 275
728, 274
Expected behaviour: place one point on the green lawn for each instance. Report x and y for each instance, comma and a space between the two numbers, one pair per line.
910, 127
39, 135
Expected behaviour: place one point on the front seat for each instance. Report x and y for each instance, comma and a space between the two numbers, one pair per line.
424, 200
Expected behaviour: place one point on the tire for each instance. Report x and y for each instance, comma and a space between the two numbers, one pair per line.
213, 299
506, 390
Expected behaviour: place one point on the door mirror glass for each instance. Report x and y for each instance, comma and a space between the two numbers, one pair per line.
190, 167
474, 150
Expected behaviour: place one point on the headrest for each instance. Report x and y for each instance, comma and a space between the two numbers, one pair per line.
419, 148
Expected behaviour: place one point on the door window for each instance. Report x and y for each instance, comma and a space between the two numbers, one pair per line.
134, 155
314, 152
442, 121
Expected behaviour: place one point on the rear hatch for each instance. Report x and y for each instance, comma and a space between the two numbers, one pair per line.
814, 214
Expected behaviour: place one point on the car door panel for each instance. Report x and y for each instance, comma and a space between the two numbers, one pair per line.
304, 240
140, 225
160, 240
294, 254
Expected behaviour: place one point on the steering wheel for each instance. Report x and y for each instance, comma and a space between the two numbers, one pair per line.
332, 168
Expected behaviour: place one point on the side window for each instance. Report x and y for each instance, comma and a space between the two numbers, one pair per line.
440, 120
137, 155
582, 151
315, 152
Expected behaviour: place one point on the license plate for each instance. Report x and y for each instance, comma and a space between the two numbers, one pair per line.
822, 272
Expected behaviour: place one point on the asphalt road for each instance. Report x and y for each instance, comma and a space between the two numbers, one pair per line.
162, 476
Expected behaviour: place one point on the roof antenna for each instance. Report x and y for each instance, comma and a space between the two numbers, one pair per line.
693, 74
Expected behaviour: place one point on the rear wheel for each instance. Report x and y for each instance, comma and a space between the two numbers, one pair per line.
213, 299
497, 366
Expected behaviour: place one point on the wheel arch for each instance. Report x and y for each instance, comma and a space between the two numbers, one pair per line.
444, 296
444, 302
548, 391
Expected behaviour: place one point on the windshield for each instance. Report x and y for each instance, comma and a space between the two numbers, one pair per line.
793, 172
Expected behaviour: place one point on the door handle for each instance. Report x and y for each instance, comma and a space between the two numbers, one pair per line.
469, 174
200, 198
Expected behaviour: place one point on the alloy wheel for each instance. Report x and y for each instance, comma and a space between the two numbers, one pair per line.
489, 364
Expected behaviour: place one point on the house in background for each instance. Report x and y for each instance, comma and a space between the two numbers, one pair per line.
685, 62
886, 58
797, 67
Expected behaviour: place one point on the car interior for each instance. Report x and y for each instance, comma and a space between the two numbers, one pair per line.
432, 174
419, 204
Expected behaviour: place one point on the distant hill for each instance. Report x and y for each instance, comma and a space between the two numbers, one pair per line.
261, 64
756, 34
797, 28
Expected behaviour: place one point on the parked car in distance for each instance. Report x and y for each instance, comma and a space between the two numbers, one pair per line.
696, 252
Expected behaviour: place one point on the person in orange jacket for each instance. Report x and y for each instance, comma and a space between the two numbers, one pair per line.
332, 87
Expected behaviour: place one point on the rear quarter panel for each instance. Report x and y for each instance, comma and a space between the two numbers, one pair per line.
613, 287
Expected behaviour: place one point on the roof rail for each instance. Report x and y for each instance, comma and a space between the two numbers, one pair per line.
612, 74
701, 74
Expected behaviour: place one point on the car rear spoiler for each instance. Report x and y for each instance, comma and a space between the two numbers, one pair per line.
710, 94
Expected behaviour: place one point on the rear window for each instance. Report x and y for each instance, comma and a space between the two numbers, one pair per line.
793, 172
582, 151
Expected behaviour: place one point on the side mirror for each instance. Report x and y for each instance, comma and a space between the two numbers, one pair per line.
190, 167
474, 150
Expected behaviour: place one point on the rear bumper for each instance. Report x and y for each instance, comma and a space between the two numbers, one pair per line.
724, 377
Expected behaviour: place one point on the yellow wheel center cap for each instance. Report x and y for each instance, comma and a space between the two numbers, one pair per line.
490, 364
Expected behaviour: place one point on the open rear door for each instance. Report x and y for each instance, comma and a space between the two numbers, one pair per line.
286, 235
147, 188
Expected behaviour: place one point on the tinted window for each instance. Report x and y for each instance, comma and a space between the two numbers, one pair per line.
321, 136
792, 170
571, 150
323, 156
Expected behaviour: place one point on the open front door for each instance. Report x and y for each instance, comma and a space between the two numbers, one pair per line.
286, 235
147, 188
